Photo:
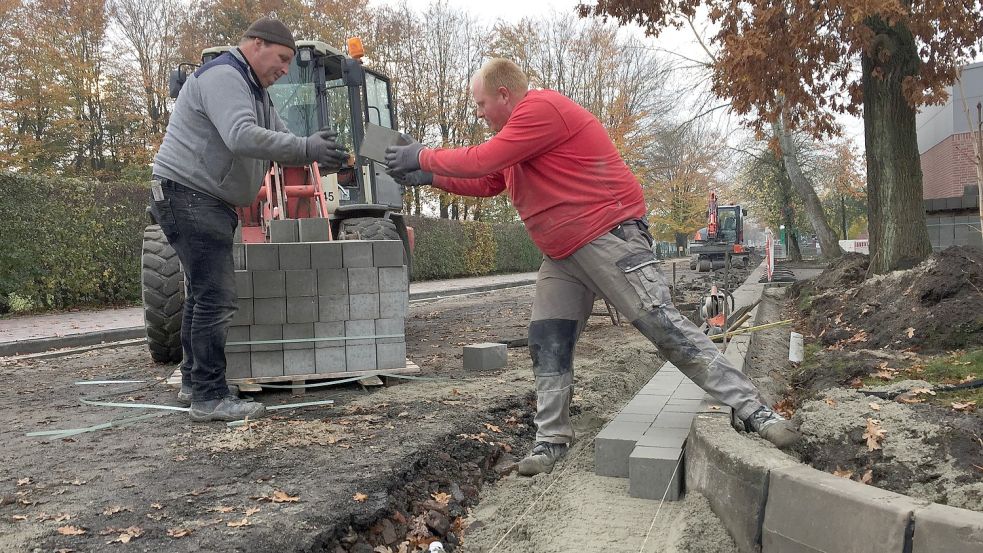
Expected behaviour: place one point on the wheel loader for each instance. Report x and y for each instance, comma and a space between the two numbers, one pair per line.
722, 237
324, 87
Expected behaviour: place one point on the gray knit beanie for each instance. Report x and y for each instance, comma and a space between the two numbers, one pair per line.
271, 30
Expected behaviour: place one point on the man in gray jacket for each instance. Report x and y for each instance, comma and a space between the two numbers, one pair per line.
220, 140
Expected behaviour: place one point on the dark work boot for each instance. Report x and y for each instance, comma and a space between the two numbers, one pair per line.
773, 427
542, 458
226, 409
184, 396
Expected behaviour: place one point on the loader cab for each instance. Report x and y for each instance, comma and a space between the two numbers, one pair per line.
730, 224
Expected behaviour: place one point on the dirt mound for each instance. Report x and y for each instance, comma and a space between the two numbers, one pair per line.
935, 306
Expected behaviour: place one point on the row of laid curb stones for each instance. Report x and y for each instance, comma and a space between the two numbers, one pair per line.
82, 339
772, 503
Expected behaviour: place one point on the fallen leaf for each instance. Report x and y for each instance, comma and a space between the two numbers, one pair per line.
884, 374
493, 428
19, 518
72, 531
284, 497
360, 497
868, 477
113, 509
23, 481
178, 532
856, 383
830, 401
180, 458
921, 391
157, 506
441, 497
874, 434
843, 473
875, 406
128, 534
967, 406
239, 523
968, 378
221, 509
910, 332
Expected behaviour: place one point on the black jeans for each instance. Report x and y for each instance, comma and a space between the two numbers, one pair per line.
200, 228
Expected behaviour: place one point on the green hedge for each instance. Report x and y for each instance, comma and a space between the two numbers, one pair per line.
68, 243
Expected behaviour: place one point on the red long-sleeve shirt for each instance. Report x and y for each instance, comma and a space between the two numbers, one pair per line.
560, 167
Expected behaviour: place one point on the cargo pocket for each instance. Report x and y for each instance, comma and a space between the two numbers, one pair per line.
640, 271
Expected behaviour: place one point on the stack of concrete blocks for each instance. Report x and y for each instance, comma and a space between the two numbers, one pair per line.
644, 442
322, 307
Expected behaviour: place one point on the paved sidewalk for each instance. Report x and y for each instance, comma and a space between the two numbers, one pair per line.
34, 333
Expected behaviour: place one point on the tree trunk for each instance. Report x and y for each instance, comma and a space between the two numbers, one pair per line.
898, 235
806, 191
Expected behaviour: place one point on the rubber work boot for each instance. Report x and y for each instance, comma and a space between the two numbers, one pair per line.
773, 427
184, 396
542, 458
226, 409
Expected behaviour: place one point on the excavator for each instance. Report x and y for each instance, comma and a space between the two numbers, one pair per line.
722, 237
324, 87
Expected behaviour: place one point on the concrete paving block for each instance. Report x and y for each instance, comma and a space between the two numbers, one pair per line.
613, 446
262, 257
244, 314
363, 280
675, 405
731, 470
392, 279
239, 256
298, 332
326, 255
635, 417
391, 356
260, 333
270, 311
356, 253
284, 231
330, 359
299, 361
266, 363
331, 282
645, 405
359, 333
335, 329
302, 309
244, 284
237, 333
804, 504
480, 357
238, 365
655, 472
948, 529
390, 327
313, 229
300, 283
387, 253
269, 284
365, 306
688, 390
673, 420
295, 256
394, 304
360, 358
664, 437
332, 308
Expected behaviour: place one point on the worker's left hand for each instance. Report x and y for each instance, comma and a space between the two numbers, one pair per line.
403, 159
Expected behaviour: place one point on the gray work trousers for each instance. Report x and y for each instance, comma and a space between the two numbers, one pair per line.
620, 267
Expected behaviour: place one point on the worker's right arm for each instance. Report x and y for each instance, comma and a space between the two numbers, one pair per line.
229, 104
489, 185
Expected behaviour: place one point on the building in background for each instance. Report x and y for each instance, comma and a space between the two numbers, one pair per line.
945, 143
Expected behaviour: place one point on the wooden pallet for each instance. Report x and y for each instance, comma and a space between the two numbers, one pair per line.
252, 384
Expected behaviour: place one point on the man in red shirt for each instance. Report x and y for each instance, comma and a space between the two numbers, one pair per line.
584, 209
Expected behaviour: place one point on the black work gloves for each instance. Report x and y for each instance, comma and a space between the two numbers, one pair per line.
413, 178
322, 148
403, 159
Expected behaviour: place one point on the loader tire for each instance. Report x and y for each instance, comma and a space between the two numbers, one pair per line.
163, 296
705, 265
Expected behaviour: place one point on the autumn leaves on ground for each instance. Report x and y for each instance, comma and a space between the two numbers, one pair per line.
889, 389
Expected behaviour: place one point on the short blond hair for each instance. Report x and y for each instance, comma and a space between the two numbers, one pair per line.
498, 72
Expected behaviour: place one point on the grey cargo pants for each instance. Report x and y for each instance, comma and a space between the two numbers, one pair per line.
620, 267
